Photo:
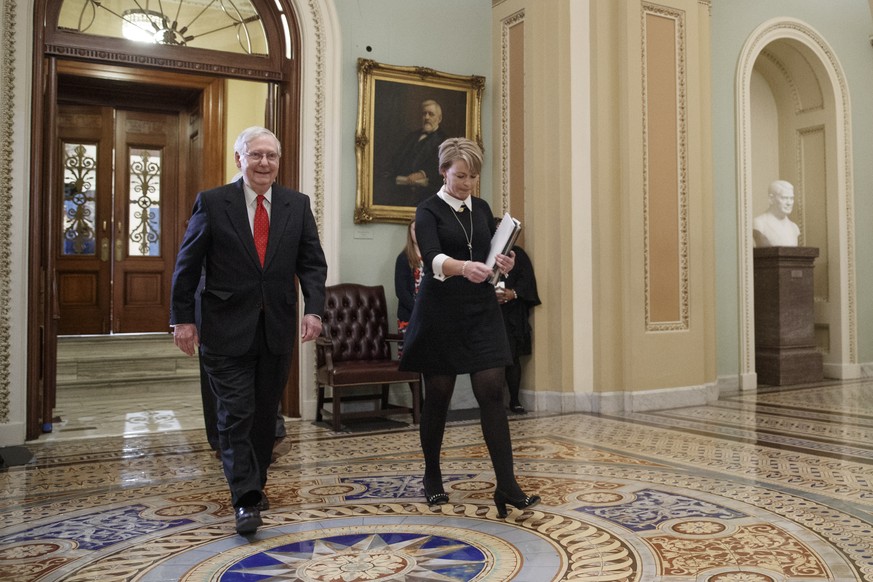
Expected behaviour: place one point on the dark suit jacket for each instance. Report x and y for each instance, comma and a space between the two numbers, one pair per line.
220, 240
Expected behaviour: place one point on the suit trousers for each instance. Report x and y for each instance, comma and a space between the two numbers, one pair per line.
210, 414
248, 389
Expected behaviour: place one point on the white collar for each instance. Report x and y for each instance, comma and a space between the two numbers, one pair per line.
454, 202
251, 195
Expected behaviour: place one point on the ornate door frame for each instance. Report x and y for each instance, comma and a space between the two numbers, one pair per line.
304, 82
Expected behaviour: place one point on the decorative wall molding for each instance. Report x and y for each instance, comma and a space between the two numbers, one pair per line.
318, 115
144, 60
7, 143
843, 221
320, 147
505, 70
678, 17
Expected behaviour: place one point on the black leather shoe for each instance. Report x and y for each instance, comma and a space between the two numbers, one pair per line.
248, 520
517, 409
263, 504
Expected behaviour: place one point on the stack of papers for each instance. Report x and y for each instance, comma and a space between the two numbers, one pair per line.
501, 243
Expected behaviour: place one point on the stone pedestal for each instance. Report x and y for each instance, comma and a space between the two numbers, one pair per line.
785, 350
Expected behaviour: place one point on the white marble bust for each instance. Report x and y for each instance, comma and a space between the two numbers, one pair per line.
773, 228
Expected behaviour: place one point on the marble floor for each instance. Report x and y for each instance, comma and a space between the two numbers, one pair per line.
765, 487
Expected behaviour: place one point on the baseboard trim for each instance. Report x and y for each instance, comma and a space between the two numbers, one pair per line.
615, 402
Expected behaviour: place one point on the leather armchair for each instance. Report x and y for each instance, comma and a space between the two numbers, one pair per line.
354, 355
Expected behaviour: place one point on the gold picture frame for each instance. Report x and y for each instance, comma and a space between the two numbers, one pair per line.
392, 101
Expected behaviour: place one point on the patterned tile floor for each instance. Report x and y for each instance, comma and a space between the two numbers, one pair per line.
766, 487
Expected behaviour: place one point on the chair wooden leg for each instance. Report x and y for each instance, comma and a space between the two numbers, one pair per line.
337, 402
385, 396
320, 403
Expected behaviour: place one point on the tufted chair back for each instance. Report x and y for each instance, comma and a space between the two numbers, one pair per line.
355, 320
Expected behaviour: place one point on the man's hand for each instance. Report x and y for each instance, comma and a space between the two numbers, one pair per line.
185, 337
310, 327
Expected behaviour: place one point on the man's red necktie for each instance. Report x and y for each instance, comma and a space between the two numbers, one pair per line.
262, 229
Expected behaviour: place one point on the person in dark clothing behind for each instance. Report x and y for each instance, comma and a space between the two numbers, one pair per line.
408, 270
517, 295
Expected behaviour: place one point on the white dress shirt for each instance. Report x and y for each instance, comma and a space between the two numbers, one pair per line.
252, 204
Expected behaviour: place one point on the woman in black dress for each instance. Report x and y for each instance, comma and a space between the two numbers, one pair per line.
456, 326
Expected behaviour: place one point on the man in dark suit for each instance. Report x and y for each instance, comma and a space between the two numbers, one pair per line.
252, 237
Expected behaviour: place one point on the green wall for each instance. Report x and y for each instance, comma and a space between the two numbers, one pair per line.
846, 27
452, 36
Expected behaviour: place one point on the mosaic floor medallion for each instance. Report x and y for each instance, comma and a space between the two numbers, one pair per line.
334, 551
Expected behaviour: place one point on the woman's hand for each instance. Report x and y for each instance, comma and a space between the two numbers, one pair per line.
505, 262
474, 271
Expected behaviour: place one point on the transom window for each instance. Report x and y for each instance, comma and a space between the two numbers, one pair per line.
223, 25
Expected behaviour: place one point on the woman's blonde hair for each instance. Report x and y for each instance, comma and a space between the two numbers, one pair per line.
461, 148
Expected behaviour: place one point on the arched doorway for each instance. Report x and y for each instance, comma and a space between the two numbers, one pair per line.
107, 58
793, 123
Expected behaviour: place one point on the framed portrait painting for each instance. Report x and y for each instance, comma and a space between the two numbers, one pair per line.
404, 114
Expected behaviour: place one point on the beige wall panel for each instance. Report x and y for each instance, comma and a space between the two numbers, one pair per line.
664, 193
549, 190
515, 104
608, 66
668, 215
648, 296
532, 176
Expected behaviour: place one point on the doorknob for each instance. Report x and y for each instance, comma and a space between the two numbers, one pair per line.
119, 244
104, 249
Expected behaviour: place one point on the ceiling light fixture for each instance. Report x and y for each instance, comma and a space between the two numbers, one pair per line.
142, 25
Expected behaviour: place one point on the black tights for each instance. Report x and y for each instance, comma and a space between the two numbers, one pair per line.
488, 390
513, 381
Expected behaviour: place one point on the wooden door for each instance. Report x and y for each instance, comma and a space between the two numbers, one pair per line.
144, 241
84, 205
117, 244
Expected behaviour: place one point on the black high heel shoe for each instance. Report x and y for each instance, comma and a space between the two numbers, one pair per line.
440, 498
500, 501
